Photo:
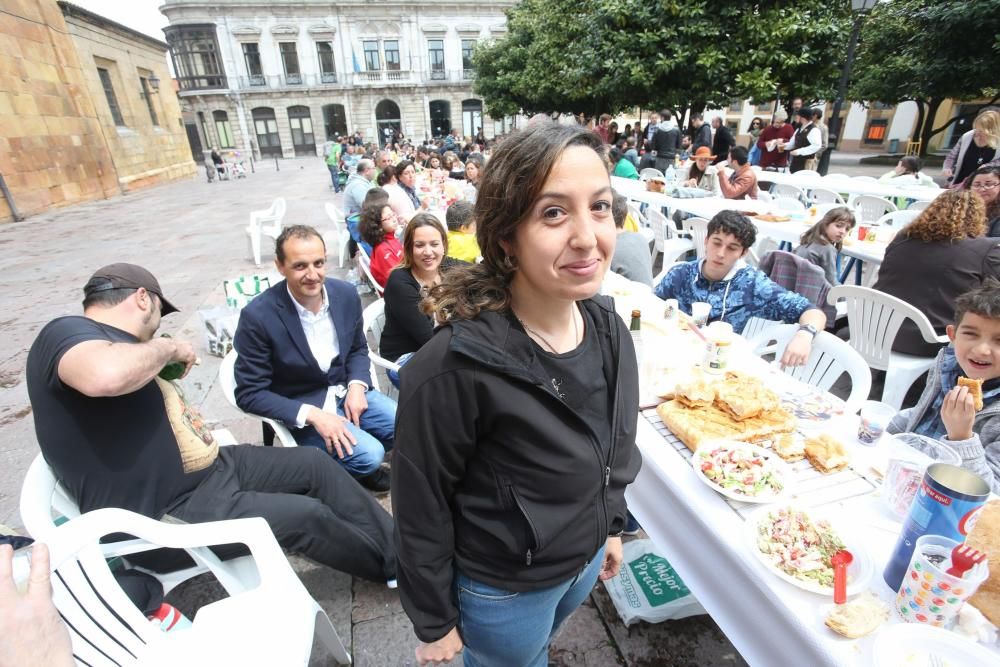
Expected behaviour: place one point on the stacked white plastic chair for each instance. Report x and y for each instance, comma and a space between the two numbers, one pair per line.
266, 223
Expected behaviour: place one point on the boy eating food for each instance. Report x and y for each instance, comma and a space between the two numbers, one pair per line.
959, 405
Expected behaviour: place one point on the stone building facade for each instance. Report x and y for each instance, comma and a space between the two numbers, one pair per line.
126, 74
279, 80
58, 141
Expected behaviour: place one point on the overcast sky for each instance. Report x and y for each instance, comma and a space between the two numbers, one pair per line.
141, 15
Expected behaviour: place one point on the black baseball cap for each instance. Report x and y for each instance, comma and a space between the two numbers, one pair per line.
127, 276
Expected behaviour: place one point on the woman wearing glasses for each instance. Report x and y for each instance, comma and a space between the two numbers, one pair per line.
985, 182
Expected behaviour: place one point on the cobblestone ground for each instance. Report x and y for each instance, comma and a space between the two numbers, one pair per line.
191, 236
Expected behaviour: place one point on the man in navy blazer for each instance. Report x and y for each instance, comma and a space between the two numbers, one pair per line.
303, 360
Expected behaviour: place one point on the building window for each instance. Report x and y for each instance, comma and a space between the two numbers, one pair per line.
327, 69
290, 61
109, 93
472, 117
195, 54
300, 123
204, 128
223, 129
251, 56
735, 106
147, 94
391, 48
372, 62
335, 120
764, 107
440, 118
876, 131
435, 51
468, 46
266, 128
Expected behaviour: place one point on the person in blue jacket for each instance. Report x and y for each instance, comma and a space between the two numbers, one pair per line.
737, 291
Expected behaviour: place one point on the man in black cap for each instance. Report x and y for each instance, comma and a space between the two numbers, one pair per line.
117, 435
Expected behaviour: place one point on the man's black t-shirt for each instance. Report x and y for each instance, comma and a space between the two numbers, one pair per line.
108, 452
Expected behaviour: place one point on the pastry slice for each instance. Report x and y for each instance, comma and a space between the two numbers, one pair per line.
975, 388
744, 397
826, 454
788, 447
698, 393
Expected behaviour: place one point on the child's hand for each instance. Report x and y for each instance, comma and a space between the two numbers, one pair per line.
958, 412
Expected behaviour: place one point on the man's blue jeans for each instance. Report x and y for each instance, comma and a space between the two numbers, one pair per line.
375, 436
335, 175
502, 628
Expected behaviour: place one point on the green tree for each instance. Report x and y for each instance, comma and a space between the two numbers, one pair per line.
592, 56
928, 51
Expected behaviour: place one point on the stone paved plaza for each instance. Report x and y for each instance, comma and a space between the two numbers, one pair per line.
190, 234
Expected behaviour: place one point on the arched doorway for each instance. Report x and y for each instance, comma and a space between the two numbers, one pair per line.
472, 117
440, 118
266, 128
334, 121
387, 119
300, 122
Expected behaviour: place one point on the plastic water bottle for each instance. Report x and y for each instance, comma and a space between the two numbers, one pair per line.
169, 619
671, 176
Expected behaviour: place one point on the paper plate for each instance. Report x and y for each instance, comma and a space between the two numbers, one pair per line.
859, 572
780, 468
914, 643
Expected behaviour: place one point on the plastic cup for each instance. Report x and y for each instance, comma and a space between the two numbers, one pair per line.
909, 456
700, 312
927, 593
862, 232
875, 418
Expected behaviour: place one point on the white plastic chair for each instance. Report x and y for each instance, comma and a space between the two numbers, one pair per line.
829, 358
271, 624
365, 262
789, 204
837, 177
763, 195
824, 196
697, 229
802, 173
866, 179
343, 236
373, 319
874, 319
781, 190
664, 239
823, 209
869, 208
43, 500
265, 223
898, 219
918, 205
227, 381
649, 173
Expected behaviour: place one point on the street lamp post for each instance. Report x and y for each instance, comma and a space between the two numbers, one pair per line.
859, 8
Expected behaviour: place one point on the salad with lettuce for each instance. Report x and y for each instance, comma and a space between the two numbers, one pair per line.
739, 470
798, 545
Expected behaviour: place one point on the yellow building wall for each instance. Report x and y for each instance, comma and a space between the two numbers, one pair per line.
52, 149
144, 154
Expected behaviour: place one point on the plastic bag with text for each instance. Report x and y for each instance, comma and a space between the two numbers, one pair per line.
648, 589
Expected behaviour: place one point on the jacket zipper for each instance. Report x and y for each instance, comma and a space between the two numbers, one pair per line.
616, 353
531, 525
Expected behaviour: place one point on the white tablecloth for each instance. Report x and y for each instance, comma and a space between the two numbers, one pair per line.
770, 622
851, 185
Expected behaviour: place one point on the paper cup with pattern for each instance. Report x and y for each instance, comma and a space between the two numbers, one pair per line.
930, 595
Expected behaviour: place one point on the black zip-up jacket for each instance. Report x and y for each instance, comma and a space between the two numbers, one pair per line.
494, 474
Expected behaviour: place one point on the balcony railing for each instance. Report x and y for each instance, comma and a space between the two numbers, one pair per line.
293, 79
328, 77
451, 76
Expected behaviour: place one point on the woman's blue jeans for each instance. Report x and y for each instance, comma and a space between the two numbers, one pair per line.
503, 628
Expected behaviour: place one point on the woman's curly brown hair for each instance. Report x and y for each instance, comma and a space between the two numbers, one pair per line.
953, 216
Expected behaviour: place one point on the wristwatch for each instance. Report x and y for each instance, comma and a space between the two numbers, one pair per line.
810, 328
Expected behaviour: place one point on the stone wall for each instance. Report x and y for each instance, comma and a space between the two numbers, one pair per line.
52, 150
144, 153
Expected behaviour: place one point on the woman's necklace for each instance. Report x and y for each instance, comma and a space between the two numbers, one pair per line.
540, 337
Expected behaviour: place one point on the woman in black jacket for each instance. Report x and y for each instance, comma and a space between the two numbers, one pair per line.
515, 432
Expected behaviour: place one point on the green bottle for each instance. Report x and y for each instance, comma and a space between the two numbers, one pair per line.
174, 370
